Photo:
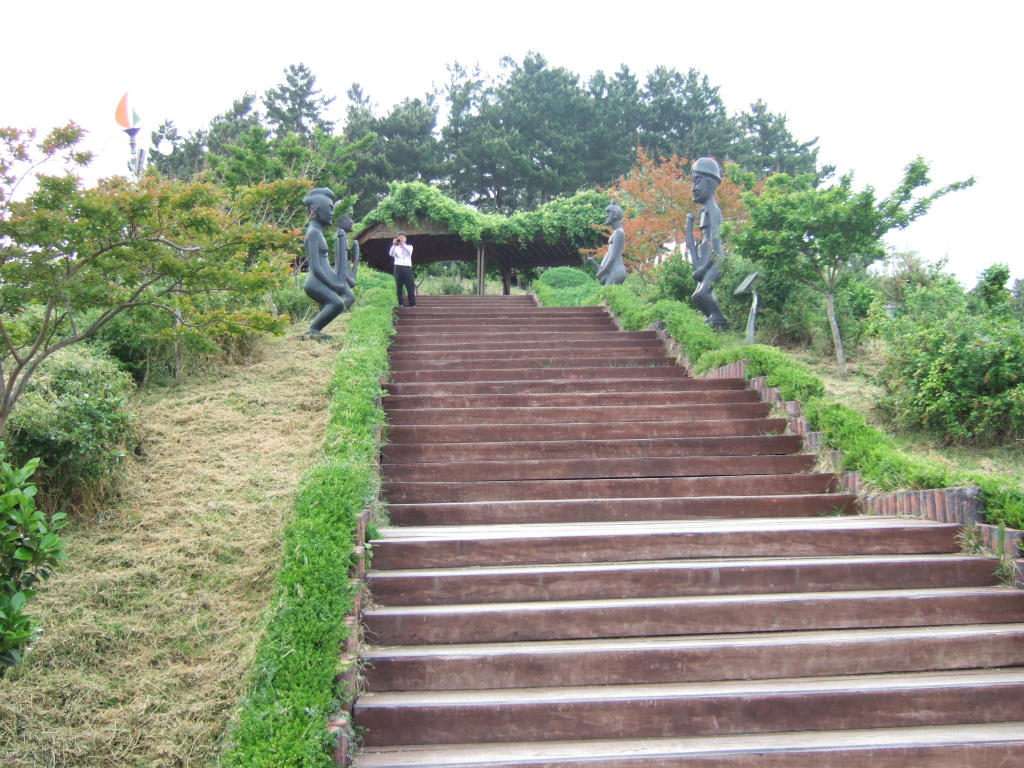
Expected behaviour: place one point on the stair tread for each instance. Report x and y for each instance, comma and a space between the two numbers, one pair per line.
630, 527
554, 606
616, 645
471, 755
682, 564
858, 684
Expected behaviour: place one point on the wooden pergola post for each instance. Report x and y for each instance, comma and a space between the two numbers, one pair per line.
481, 268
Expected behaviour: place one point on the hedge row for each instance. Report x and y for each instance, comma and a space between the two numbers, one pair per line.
866, 449
291, 693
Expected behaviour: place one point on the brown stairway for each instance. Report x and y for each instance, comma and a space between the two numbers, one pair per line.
598, 561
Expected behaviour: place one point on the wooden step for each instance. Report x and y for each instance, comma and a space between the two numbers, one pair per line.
691, 709
716, 614
623, 510
587, 576
692, 658
576, 469
990, 745
539, 340
584, 414
450, 323
539, 334
636, 358
676, 578
495, 315
578, 432
557, 399
758, 477
589, 374
608, 382
471, 545
554, 450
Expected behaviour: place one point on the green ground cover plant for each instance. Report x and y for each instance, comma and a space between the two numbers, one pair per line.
292, 693
30, 551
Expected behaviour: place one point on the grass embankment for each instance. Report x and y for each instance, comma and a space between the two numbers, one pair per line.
151, 627
176, 602
291, 689
868, 449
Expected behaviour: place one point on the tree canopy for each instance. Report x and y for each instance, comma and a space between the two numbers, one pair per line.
509, 142
73, 258
816, 236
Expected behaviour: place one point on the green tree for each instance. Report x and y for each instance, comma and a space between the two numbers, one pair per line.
520, 141
296, 106
73, 258
766, 146
684, 115
991, 296
190, 154
818, 236
615, 135
406, 147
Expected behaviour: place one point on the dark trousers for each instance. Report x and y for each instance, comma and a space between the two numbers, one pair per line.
403, 277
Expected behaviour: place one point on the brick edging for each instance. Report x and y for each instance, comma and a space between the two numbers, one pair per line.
961, 505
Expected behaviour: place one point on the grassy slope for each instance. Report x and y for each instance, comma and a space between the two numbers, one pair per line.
151, 628
860, 392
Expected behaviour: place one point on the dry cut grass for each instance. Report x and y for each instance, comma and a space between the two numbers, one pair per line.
151, 627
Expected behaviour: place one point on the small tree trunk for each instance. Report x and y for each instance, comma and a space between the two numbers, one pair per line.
178, 361
836, 338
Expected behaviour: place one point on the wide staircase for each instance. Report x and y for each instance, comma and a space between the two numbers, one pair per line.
596, 560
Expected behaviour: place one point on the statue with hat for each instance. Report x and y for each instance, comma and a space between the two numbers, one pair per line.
706, 255
611, 270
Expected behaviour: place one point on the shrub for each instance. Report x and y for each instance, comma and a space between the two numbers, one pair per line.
794, 380
293, 301
30, 552
566, 287
140, 340
450, 286
76, 415
687, 327
865, 448
634, 313
562, 278
956, 375
673, 278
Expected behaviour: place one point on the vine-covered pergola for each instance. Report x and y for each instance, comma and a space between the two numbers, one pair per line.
441, 229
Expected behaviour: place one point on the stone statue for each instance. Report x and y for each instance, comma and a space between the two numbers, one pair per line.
611, 270
343, 268
706, 255
322, 283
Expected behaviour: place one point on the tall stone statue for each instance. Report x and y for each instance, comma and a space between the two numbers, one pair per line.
611, 270
343, 268
322, 283
706, 255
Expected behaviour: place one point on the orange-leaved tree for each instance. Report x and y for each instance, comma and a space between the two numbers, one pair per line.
655, 197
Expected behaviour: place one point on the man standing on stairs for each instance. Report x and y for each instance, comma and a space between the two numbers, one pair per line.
401, 252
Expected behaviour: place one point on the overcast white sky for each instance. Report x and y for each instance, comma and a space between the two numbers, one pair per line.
878, 82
